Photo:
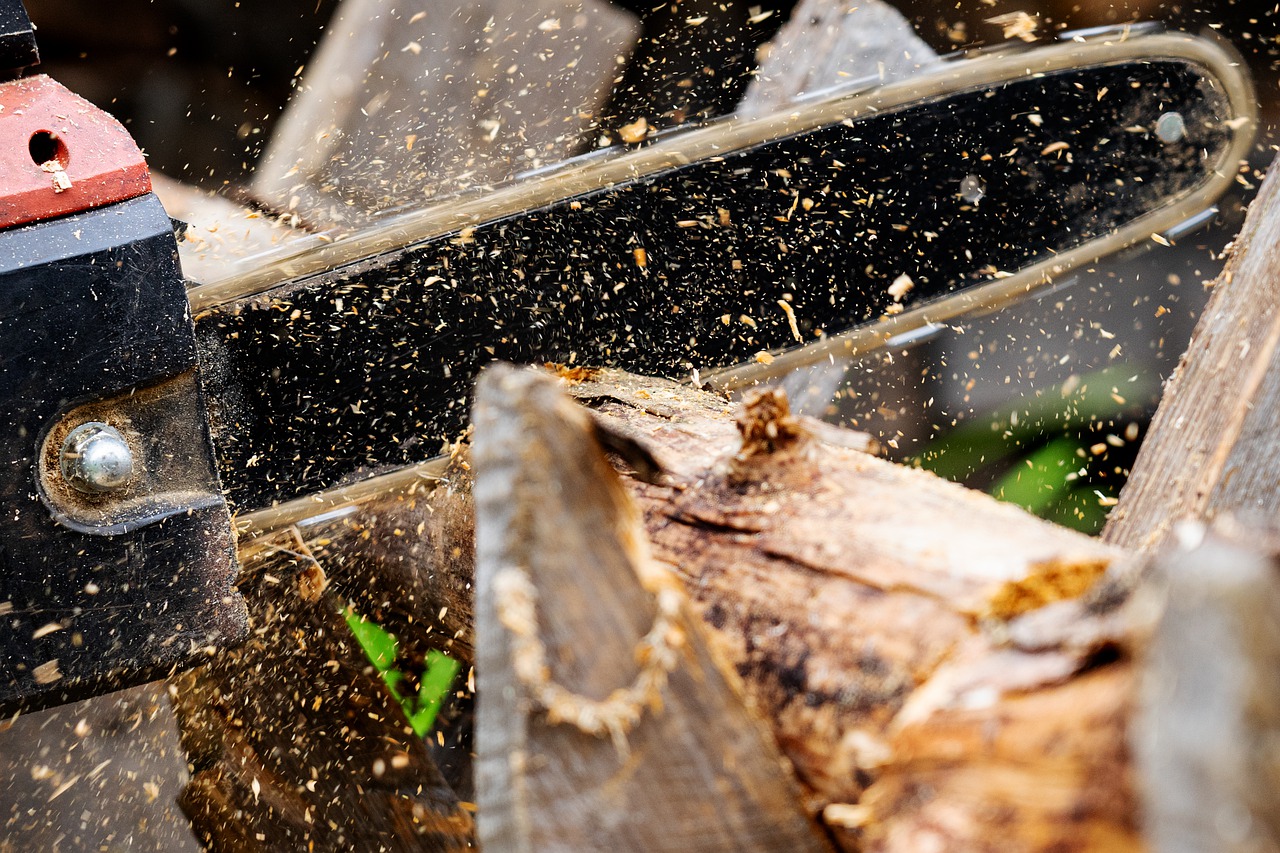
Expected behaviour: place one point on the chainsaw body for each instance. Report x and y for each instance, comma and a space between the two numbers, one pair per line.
98, 587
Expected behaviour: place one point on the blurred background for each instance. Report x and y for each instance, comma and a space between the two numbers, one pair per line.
202, 85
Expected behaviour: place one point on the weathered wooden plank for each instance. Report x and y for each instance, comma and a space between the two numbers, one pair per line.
404, 103
1208, 712
581, 635
1212, 447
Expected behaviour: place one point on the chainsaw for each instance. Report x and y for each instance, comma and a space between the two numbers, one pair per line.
147, 421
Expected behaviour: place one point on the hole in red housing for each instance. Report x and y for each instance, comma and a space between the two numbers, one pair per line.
45, 146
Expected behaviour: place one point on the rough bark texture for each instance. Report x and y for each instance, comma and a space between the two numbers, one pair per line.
295, 741
939, 667
1212, 446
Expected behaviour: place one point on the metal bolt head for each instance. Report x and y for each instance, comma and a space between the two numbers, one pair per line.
96, 459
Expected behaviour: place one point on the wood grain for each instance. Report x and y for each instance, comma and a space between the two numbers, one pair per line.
918, 648
1212, 446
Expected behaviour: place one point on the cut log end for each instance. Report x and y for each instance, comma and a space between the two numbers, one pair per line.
634, 739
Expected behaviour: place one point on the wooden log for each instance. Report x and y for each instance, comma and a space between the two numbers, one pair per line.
1208, 717
940, 669
295, 742
406, 563
580, 635
920, 647
1212, 448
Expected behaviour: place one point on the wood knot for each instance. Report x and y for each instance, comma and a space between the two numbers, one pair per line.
766, 423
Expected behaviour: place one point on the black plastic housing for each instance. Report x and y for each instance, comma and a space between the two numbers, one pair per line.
17, 38
101, 592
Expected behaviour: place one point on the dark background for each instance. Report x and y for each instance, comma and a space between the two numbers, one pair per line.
200, 82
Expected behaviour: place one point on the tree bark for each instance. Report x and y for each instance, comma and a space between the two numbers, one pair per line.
1212, 449
942, 670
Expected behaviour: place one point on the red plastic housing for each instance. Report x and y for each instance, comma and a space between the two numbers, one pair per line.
60, 154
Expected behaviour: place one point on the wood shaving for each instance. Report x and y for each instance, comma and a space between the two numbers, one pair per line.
902, 285
1017, 25
47, 672
635, 132
791, 318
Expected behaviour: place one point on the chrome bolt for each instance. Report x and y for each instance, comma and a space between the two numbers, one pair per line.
96, 459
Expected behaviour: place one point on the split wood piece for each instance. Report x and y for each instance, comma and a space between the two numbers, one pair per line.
295, 742
580, 636
424, 98
1212, 447
939, 667
1208, 727
825, 45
